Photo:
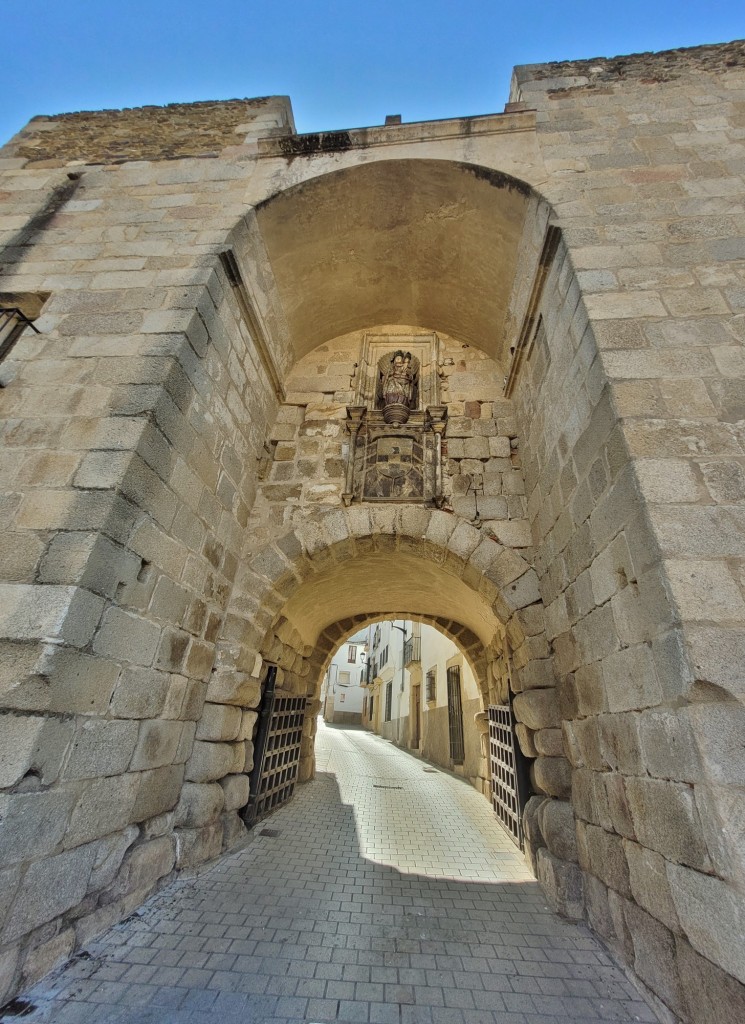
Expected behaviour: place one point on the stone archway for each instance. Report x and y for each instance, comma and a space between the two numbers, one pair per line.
305, 591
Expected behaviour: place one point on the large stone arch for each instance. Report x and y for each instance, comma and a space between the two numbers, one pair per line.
464, 639
298, 596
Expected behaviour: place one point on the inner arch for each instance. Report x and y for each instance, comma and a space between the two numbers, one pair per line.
432, 243
385, 584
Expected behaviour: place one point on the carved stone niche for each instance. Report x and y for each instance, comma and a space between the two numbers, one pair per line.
397, 424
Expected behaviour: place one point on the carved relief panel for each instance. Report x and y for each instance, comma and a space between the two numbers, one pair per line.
397, 425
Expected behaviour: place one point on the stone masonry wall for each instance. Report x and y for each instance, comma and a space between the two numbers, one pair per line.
139, 605
633, 427
131, 428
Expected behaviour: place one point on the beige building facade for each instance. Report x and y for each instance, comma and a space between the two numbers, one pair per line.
200, 481
423, 695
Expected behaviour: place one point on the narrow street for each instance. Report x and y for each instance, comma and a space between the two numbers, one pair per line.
384, 892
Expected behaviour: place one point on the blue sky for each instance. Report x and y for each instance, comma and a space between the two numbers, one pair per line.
345, 63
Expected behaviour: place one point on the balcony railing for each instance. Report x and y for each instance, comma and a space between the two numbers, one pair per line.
412, 650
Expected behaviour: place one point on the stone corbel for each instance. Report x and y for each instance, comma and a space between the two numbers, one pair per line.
436, 420
355, 418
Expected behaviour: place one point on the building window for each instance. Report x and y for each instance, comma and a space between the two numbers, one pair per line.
431, 691
388, 700
352, 654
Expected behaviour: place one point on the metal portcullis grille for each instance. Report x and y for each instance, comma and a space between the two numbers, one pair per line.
277, 743
507, 771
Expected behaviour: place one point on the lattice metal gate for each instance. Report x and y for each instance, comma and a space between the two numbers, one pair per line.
279, 733
509, 777
455, 717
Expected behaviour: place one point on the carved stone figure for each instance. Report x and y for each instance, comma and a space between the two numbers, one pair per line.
398, 386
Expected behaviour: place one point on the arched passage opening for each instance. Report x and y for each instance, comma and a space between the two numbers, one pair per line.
417, 682
310, 589
416, 252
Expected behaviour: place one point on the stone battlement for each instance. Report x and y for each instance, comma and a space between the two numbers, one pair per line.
649, 68
170, 132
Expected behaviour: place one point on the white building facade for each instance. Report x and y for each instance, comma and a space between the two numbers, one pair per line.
342, 691
423, 696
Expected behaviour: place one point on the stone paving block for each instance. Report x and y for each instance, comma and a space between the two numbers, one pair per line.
261, 936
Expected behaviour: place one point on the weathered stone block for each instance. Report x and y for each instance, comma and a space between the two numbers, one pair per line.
209, 761
49, 888
140, 693
718, 730
710, 993
537, 674
618, 804
239, 757
101, 748
711, 913
109, 853
126, 637
538, 709
158, 792
8, 973
105, 806
36, 612
34, 822
556, 820
199, 804
43, 958
57, 679
236, 790
621, 743
142, 867
590, 799
631, 680
666, 820
585, 743
194, 846
157, 744
234, 688
655, 958
525, 739
549, 742
552, 775
219, 722
234, 832
649, 884
668, 745
32, 745
602, 854
590, 689
248, 721
561, 883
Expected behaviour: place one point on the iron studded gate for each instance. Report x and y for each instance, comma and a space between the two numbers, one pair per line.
279, 732
509, 775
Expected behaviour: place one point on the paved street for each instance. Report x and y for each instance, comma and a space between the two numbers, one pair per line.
386, 893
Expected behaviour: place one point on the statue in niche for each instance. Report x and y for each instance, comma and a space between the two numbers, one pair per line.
397, 391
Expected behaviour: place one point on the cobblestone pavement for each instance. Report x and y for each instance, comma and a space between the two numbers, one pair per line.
389, 896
